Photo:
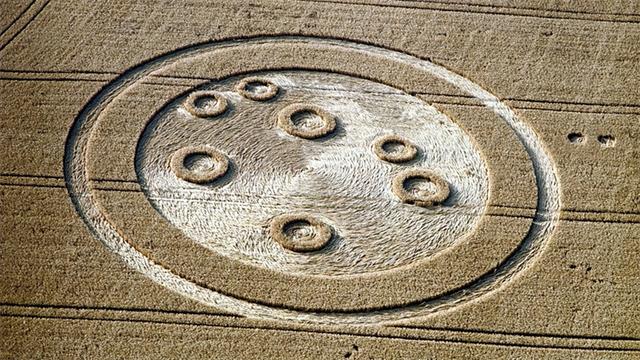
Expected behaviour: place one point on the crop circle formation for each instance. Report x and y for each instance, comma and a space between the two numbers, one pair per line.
257, 88
308, 204
206, 104
419, 195
300, 232
395, 149
287, 120
217, 166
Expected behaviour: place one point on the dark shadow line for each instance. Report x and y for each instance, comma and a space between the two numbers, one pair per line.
114, 180
520, 333
51, 79
413, 93
428, 328
606, 112
119, 309
469, 11
106, 188
283, 329
521, 8
600, 221
32, 72
32, 176
596, 211
515, 107
565, 102
24, 11
62, 186
2, 47
562, 218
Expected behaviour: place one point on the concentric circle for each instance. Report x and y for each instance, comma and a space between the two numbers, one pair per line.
394, 148
300, 232
418, 195
290, 119
257, 88
206, 104
217, 166
336, 177
483, 277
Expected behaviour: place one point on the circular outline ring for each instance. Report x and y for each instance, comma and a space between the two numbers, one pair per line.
542, 226
220, 107
408, 153
321, 239
272, 89
285, 122
442, 188
177, 164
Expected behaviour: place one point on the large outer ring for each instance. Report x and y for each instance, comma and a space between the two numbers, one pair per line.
543, 224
